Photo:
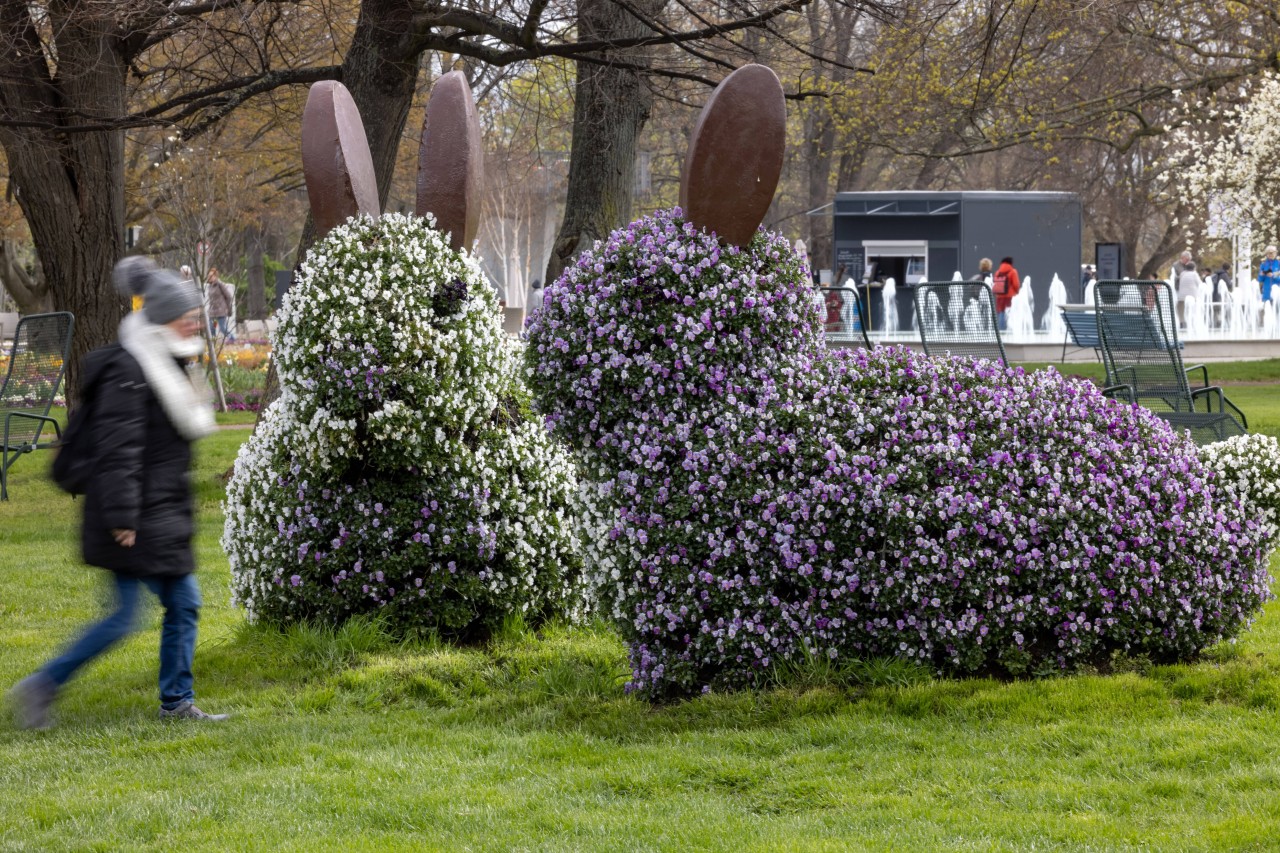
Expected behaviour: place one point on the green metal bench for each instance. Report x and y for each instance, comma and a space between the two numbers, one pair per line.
1143, 360
36, 366
1082, 331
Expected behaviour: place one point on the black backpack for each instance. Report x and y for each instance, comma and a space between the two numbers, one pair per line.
74, 464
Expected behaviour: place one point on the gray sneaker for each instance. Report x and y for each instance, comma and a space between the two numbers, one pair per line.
32, 698
189, 711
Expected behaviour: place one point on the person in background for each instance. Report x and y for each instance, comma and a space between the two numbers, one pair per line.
834, 303
534, 302
1188, 284
1006, 286
1268, 273
971, 293
1150, 292
1221, 281
138, 514
222, 297
1183, 261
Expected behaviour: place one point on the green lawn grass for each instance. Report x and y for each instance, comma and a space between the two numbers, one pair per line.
237, 417
1220, 373
1254, 386
344, 740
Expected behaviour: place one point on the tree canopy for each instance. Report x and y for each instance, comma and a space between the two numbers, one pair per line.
101, 101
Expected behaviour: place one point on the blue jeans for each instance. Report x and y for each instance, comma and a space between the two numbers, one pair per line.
1002, 320
181, 599
222, 326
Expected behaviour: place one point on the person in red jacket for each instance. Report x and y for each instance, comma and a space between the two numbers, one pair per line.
1006, 285
835, 306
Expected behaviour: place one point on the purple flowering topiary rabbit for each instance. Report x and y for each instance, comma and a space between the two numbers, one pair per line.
757, 501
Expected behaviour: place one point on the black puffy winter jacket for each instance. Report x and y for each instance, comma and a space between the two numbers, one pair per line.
141, 477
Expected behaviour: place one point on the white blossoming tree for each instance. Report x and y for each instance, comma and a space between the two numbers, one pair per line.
1230, 157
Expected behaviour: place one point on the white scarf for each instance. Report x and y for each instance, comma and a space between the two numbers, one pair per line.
183, 397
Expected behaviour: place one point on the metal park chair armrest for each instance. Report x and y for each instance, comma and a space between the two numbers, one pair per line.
1203, 370
35, 443
1119, 378
1214, 391
1239, 414
1115, 392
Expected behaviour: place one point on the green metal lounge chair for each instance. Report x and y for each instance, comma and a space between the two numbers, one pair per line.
36, 366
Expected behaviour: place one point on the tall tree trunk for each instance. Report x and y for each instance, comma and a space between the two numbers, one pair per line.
850, 170
831, 26
610, 108
255, 238
31, 292
381, 72
819, 139
933, 167
70, 185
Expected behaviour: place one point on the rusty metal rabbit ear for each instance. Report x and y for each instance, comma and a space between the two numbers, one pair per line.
735, 155
335, 158
451, 161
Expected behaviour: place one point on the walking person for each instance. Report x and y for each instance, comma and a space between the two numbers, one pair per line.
138, 515
534, 302
984, 271
1268, 273
222, 299
1221, 293
1188, 285
1006, 286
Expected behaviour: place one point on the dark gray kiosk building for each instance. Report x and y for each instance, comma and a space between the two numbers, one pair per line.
915, 236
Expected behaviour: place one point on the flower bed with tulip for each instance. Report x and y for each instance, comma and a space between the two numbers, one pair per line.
753, 498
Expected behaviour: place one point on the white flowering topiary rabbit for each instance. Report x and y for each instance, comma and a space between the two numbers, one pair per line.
400, 471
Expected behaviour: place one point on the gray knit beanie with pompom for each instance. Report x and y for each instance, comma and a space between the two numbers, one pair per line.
165, 296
